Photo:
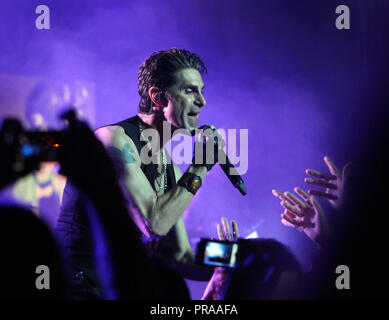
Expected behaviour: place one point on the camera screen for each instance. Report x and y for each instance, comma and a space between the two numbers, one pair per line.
39, 144
220, 254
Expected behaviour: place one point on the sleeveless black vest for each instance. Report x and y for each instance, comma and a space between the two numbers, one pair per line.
131, 128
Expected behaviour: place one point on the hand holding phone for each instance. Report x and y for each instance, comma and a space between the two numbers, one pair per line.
218, 253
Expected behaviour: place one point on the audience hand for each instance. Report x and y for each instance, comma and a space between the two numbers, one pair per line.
221, 276
334, 184
305, 215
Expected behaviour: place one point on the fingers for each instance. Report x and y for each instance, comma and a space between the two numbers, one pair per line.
318, 174
289, 213
278, 194
226, 229
224, 232
290, 198
316, 206
290, 222
220, 232
322, 194
281, 196
287, 223
293, 222
210, 133
333, 169
235, 230
346, 172
292, 209
321, 183
302, 194
294, 199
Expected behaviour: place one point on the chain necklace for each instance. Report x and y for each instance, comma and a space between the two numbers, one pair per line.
164, 168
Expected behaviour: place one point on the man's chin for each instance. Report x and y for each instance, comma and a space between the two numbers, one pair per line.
191, 130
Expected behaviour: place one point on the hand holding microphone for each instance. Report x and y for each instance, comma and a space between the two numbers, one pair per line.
208, 150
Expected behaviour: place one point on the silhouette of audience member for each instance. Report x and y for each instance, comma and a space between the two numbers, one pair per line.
26, 244
267, 270
124, 269
42, 190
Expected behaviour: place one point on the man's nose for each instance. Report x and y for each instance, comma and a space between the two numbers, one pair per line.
200, 101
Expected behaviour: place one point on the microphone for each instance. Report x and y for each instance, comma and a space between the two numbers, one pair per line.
228, 168
233, 176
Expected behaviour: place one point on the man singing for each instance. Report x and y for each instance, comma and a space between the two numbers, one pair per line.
170, 86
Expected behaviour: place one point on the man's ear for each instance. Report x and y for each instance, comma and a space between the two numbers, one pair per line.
157, 97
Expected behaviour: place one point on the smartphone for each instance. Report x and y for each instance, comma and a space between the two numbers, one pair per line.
217, 253
40, 145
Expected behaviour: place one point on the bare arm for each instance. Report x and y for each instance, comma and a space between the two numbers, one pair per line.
185, 252
161, 213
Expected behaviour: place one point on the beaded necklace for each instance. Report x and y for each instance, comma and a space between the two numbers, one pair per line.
164, 167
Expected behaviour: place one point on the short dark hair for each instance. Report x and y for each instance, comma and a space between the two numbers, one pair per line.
159, 70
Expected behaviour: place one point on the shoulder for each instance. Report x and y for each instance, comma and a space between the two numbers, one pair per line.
114, 136
108, 133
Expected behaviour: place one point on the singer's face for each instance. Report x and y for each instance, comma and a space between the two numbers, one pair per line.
185, 100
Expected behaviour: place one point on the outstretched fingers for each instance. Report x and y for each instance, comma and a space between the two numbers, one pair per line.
235, 230
333, 168
226, 229
346, 171
321, 175
220, 232
295, 200
302, 194
288, 221
322, 194
283, 196
321, 183
292, 209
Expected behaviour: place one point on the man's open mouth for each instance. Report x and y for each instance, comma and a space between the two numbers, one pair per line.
193, 114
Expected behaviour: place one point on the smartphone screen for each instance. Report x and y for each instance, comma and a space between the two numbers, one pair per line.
218, 253
43, 145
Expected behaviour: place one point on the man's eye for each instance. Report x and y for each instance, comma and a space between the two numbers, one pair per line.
188, 90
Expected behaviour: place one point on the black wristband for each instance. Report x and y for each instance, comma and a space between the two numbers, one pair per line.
190, 181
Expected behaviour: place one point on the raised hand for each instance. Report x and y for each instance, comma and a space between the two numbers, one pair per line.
305, 215
224, 233
219, 280
334, 183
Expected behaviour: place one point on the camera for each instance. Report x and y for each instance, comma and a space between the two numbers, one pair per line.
25, 150
43, 146
217, 253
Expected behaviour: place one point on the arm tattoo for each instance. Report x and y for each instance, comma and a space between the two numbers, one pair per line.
127, 154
